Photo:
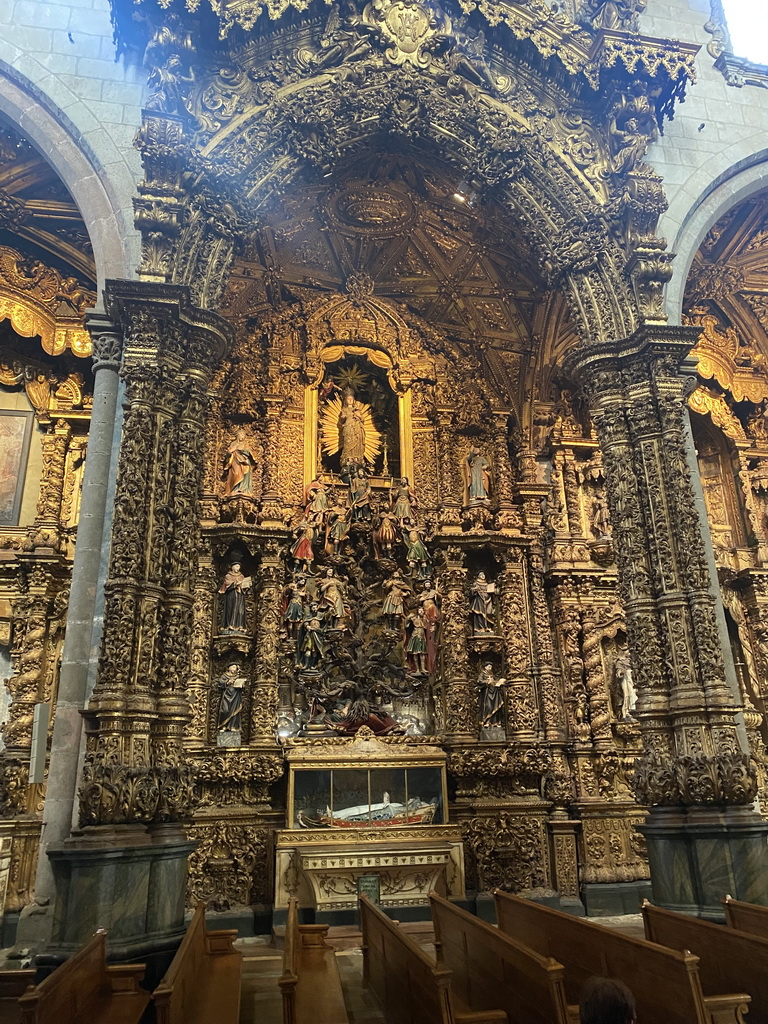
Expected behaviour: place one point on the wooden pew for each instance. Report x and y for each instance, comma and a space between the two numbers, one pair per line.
12, 985
665, 983
490, 969
729, 959
746, 917
203, 982
310, 982
83, 988
409, 986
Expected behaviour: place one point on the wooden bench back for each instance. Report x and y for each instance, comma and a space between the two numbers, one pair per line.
731, 961
410, 988
490, 970
746, 917
175, 996
74, 990
664, 982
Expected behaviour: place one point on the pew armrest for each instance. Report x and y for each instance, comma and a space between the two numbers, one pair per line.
125, 977
220, 942
727, 1009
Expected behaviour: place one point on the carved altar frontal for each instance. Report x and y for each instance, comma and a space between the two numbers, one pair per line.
396, 828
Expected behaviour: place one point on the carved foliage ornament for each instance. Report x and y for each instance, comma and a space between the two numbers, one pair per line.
728, 778
114, 793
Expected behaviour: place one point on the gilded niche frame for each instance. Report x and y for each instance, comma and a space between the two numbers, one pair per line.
332, 354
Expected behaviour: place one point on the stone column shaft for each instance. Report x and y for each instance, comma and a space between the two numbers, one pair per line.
61, 791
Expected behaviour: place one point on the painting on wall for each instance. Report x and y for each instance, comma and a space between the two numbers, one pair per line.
15, 434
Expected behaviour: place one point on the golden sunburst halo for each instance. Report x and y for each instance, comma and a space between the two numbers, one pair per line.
330, 437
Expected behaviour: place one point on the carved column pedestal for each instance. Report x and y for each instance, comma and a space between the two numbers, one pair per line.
128, 879
699, 855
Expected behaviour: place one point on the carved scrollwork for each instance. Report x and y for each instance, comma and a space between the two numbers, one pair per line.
506, 852
115, 793
237, 778
228, 867
701, 779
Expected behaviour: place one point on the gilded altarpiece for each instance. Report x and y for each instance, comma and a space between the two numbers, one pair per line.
382, 558
44, 357
405, 528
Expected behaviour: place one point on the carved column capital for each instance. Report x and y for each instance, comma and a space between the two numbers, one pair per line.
106, 342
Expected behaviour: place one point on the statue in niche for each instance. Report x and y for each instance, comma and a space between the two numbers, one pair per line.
302, 550
233, 587
632, 127
393, 607
331, 591
347, 428
238, 469
229, 725
337, 526
316, 499
599, 518
416, 642
167, 85
294, 598
481, 606
429, 602
310, 643
351, 431
565, 415
417, 556
403, 501
622, 673
360, 497
491, 704
475, 469
384, 533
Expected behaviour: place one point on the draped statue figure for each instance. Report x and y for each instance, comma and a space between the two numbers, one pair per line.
347, 428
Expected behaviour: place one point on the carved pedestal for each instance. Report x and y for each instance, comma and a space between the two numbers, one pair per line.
698, 856
322, 871
127, 879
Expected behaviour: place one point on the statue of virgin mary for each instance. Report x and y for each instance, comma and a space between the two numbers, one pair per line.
347, 428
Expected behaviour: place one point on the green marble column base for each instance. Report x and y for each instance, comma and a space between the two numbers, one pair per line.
130, 880
699, 855
613, 899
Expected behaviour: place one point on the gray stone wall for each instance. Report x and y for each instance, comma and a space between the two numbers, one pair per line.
60, 83
715, 152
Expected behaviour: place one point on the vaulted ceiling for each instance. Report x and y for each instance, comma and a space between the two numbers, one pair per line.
729, 276
38, 215
424, 239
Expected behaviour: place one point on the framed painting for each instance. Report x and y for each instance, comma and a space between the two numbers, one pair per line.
15, 435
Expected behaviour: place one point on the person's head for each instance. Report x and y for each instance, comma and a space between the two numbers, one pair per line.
606, 1001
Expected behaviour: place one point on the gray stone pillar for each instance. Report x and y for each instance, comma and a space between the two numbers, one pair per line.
61, 791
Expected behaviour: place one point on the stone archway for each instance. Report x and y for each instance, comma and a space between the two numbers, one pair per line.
52, 132
254, 121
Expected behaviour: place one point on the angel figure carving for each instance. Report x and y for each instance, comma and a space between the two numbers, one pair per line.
347, 428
